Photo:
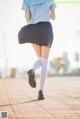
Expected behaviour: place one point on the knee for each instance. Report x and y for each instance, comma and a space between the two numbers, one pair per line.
43, 60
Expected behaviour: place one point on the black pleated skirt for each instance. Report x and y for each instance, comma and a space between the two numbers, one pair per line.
40, 33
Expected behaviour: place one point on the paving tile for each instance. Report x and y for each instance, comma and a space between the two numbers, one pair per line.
62, 99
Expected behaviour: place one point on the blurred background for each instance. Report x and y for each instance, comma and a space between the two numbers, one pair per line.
16, 59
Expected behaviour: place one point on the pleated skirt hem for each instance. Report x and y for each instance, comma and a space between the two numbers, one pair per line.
40, 34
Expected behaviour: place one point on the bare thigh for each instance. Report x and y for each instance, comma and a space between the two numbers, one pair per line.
37, 49
45, 52
41, 51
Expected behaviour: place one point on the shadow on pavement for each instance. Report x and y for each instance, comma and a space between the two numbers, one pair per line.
30, 101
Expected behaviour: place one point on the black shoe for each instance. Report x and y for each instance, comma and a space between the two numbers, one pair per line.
32, 80
40, 95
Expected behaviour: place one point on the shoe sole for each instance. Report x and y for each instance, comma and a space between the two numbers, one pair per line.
32, 83
41, 98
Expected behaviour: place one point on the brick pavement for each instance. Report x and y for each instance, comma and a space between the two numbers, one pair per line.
62, 99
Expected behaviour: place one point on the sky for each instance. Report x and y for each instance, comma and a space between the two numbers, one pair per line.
66, 29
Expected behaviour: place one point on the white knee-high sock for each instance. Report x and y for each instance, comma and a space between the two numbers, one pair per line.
37, 64
44, 64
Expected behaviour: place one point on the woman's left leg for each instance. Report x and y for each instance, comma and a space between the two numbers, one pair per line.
36, 65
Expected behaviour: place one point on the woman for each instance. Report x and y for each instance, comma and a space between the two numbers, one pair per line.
39, 33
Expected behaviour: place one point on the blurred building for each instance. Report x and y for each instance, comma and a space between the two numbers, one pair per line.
76, 57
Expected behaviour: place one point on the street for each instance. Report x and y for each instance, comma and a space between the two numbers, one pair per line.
62, 99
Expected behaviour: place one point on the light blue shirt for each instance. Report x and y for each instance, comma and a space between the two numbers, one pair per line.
39, 10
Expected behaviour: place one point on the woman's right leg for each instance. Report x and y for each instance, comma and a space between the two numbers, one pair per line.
44, 63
